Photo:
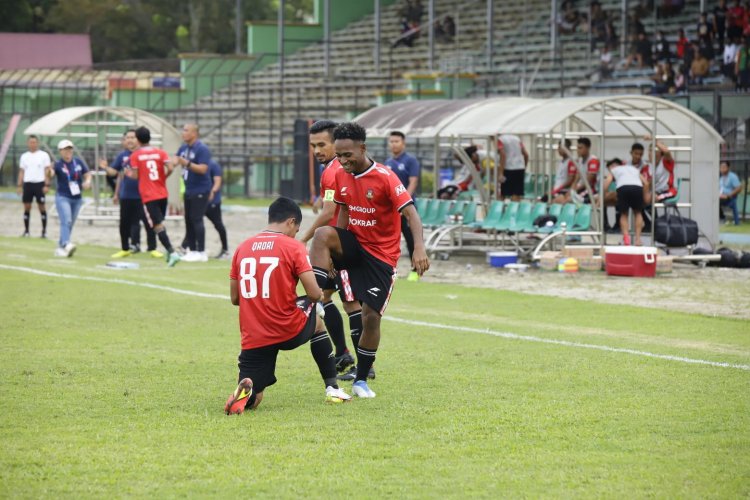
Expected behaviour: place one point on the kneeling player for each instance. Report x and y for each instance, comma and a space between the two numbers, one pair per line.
263, 282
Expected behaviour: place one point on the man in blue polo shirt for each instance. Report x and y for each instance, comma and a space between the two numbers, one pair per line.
407, 169
729, 187
213, 213
129, 199
194, 156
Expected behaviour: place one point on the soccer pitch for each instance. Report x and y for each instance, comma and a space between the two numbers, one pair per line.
113, 384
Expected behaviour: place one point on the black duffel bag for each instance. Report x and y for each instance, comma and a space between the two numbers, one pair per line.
674, 230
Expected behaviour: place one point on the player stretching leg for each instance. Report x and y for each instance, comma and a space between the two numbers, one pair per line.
263, 283
366, 244
321, 141
151, 166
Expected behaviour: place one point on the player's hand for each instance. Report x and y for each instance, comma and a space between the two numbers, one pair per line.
102, 164
211, 195
86, 185
115, 200
19, 190
419, 261
45, 189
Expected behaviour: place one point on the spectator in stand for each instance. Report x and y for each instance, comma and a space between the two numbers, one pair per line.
687, 60
567, 18
598, 23
670, 7
662, 47
720, 22
729, 59
682, 44
664, 79
742, 66
605, 63
610, 36
705, 37
729, 187
409, 33
679, 80
699, 67
641, 52
635, 26
445, 30
735, 20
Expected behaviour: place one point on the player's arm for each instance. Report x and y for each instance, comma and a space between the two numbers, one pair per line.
199, 164
608, 181
216, 187
343, 221
103, 165
234, 292
660, 146
525, 155
313, 291
86, 180
419, 259
325, 215
501, 172
20, 180
116, 196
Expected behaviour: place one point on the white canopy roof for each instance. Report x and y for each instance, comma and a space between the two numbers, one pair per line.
519, 115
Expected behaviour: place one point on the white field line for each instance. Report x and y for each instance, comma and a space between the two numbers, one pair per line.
438, 326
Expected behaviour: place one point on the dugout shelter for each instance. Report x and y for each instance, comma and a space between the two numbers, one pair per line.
613, 123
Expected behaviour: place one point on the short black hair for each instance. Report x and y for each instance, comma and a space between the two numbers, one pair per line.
585, 141
614, 161
282, 209
567, 143
398, 133
128, 131
470, 150
32, 136
637, 147
323, 126
350, 130
143, 135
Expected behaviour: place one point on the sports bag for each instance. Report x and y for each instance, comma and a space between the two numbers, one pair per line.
673, 230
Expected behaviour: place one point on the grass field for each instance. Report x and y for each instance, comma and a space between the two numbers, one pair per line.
113, 388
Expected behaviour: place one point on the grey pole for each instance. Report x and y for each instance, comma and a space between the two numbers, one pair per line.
376, 48
327, 37
553, 31
490, 29
431, 33
238, 27
624, 24
280, 29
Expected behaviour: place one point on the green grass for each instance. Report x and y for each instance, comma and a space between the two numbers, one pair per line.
115, 389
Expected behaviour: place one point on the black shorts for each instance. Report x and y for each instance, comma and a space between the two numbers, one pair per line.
513, 185
33, 190
629, 197
260, 363
449, 191
361, 276
155, 211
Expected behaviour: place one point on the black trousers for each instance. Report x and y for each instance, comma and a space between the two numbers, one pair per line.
195, 230
213, 213
131, 215
406, 231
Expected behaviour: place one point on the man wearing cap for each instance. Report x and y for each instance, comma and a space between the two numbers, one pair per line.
72, 177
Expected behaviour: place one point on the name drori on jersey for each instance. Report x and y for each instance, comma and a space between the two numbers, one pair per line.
262, 245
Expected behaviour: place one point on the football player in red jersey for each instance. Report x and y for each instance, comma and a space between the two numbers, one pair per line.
321, 142
366, 244
151, 166
263, 283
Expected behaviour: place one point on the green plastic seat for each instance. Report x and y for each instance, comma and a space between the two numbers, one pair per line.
582, 221
538, 210
438, 215
555, 209
421, 205
567, 215
522, 218
494, 214
469, 213
509, 216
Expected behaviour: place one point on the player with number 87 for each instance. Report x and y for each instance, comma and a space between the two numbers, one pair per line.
263, 283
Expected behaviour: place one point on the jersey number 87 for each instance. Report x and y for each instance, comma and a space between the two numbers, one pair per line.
248, 271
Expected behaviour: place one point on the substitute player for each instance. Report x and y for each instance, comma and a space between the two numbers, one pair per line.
321, 141
366, 244
263, 283
33, 184
151, 166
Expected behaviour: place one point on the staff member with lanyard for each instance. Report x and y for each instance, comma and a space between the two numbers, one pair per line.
72, 177
194, 156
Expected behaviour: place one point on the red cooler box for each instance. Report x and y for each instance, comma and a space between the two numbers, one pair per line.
630, 261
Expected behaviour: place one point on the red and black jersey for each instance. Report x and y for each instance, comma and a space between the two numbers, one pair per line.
328, 186
152, 178
375, 199
267, 268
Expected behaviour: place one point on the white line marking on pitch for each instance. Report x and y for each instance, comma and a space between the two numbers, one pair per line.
505, 335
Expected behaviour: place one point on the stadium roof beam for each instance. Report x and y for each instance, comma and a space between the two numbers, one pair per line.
612, 123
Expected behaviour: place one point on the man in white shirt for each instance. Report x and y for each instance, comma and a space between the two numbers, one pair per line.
513, 161
32, 182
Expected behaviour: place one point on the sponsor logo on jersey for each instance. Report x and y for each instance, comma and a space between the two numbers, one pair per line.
343, 191
364, 210
400, 189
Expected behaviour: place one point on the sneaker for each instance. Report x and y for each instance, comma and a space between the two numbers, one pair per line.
371, 373
348, 376
413, 276
361, 390
173, 259
70, 248
60, 252
223, 255
626, 240
343, 362
182, 251
156, 254
26, 235
235, 405
121, 254
336, 395
195, 257
202, 257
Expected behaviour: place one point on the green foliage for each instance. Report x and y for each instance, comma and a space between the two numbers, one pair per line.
111, 389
